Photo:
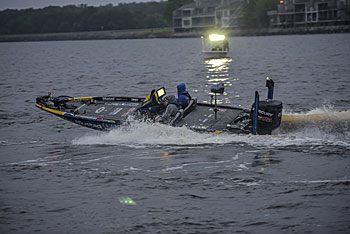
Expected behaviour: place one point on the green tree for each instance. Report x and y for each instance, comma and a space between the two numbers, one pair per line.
87, 18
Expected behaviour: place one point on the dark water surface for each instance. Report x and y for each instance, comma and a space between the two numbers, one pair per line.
57, 177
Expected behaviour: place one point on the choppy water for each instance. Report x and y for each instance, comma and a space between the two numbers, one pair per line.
56, 177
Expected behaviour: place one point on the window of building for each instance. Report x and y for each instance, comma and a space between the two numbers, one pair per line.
322, 6
199, 10
186, 13
226, 13
299, 7
186, 22
299, 18
211, 10
311, 17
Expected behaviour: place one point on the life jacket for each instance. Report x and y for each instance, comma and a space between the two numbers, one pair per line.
183, 96
187, 95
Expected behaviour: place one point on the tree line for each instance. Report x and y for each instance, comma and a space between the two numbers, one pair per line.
81, 18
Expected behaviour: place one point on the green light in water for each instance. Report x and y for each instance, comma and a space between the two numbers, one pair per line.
127, 201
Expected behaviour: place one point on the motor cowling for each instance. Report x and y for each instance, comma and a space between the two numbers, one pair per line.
269, 116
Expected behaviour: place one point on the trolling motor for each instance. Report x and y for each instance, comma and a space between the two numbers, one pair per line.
266, 115
216, 89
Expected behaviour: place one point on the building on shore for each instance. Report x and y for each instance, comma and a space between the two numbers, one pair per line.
205, 14
308, 13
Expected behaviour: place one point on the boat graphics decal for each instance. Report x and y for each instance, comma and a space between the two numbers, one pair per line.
95, 123
128, 112
87, 121
116, 111
99, 110
122, 104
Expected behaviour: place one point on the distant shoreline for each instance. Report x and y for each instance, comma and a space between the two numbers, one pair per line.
166, 33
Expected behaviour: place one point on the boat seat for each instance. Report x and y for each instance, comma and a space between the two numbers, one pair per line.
183, 112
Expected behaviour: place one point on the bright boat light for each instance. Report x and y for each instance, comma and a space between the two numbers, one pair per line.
216, 37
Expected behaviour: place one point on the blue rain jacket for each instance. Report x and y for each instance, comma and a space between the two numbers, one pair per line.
182, 95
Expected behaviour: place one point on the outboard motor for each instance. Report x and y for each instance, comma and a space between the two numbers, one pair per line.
269, 113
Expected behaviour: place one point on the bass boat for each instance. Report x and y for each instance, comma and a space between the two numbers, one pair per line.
106, 113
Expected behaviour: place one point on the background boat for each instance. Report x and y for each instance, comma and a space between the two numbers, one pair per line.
215, 45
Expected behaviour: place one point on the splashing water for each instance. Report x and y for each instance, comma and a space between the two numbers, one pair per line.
141, 134
323, 110
321, 123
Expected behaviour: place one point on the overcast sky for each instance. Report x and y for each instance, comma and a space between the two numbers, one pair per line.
23, 4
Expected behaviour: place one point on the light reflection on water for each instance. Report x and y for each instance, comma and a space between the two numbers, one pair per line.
218, 72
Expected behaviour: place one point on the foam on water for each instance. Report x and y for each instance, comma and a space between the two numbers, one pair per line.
323, 123
328, 110
142, 134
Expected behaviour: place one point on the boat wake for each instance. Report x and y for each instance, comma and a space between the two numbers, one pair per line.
317, 117
321, 123
145, 134
141, 134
